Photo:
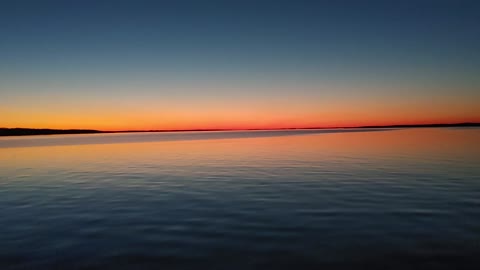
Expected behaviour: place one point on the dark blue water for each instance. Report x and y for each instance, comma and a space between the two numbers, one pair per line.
396, 199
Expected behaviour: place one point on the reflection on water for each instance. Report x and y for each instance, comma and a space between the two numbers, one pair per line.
55, 140
398, 199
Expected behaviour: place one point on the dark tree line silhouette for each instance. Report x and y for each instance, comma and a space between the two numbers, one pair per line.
46, 131
43, 131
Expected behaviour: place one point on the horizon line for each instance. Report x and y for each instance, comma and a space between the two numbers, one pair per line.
18, 131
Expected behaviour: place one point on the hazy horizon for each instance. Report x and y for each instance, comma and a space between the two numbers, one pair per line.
253, 129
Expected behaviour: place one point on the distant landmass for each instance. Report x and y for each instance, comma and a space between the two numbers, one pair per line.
44, 131
428, 125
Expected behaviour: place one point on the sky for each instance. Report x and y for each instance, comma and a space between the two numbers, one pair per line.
130, 65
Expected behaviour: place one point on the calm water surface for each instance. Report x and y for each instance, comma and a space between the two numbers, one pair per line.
394, 199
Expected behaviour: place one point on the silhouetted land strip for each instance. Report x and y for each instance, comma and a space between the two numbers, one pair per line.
427, 125
32, 131
43, 131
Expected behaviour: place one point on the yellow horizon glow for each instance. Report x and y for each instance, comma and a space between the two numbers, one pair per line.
288, 109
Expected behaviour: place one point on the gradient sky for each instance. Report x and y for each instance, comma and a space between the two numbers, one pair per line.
136, 64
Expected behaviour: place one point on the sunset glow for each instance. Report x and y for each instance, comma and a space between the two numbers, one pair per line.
163, 67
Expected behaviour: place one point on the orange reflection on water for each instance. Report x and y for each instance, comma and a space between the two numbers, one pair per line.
256, 151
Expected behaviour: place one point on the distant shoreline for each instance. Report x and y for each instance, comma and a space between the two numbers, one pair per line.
32, 131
